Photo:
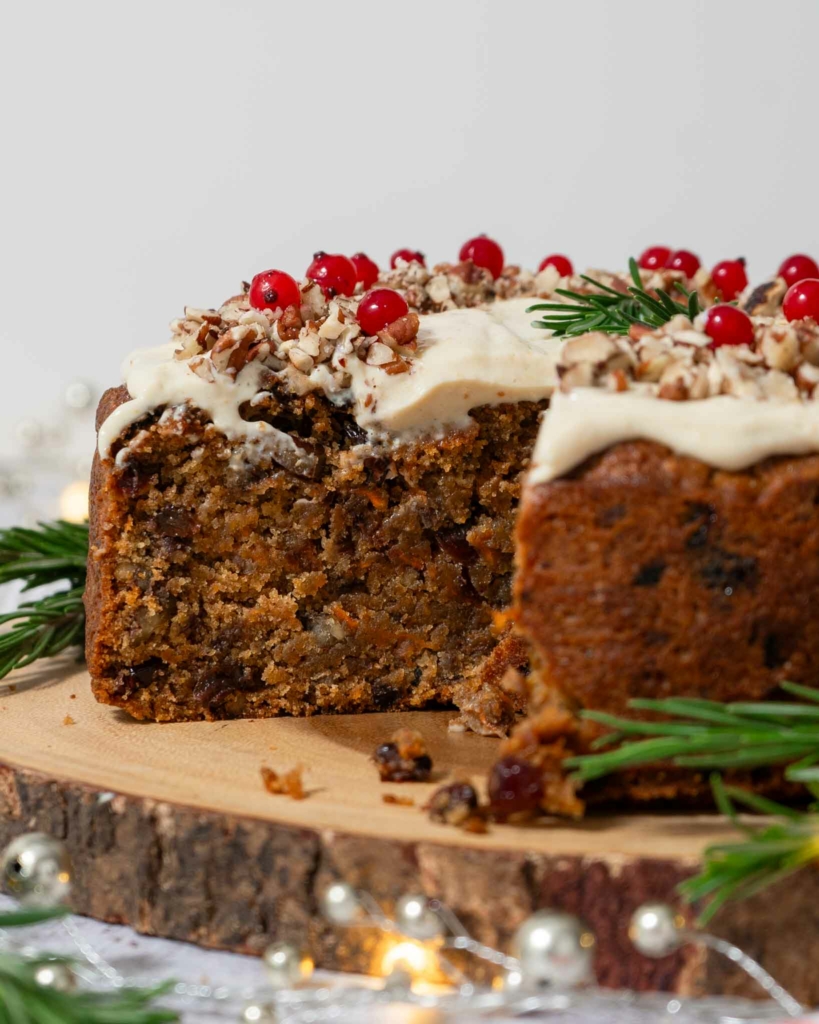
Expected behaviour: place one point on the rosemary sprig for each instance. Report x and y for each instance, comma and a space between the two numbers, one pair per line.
23, 1001
611, 311
42, 628
734, 871
706, 734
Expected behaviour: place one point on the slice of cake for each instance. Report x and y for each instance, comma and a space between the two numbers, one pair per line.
304, 501
668, 538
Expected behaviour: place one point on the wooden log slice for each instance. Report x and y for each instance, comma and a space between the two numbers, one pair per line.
172, 831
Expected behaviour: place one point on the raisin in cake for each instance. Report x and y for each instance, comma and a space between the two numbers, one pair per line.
668, 535
303, 503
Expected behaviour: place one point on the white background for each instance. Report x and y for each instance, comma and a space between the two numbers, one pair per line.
154, 154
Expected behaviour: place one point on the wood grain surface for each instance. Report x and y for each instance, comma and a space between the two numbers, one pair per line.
172, 831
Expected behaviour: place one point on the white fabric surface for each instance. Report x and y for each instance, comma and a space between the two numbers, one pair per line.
149, 960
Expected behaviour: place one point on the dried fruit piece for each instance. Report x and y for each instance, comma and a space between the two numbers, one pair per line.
453, 804
515, 787
404, 758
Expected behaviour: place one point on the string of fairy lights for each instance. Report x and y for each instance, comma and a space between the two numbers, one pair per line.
46, 463
549, 966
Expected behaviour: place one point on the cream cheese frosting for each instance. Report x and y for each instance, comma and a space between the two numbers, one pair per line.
155, 378
722, 431
465, 358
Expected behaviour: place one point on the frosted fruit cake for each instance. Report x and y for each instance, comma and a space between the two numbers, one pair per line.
304, 501
668, 535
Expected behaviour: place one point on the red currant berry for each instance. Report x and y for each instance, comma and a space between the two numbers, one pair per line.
655, 258
484, 252
410, 255
379, 308
727, 325
334, 272
562, 264
730, 278
685, 261
273, 289
802, 300
797, 268
366, 271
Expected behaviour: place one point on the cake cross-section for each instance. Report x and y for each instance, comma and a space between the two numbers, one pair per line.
307, 508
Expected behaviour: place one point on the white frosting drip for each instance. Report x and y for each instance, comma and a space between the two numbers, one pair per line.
465, 358
723, 432
154, 377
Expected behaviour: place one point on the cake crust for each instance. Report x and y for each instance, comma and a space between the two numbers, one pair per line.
644, 573
648, 574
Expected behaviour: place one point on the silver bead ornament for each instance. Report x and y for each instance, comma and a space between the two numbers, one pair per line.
257, 1013
78, 395
415, 917
340, 904
36, 870
655, 930
55, 975
286, 966
510, 981
554, 949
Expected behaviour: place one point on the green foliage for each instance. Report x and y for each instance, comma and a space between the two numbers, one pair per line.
41, 628
611, 311
708, 735
23, 1001
769, 852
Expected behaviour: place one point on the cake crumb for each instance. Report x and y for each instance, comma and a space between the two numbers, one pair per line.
402, 801
289, 783
68, 720
404, 758
73, 696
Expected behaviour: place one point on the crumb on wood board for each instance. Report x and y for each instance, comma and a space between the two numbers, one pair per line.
289, 783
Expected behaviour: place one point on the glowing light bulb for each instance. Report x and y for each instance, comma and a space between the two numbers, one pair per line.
74, 502
413, 957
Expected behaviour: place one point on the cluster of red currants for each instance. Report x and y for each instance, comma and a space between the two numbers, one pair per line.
379, 307
336, 275
725, 324
339, 275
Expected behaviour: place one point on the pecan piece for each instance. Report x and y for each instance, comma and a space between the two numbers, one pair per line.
289, 324
401, 332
